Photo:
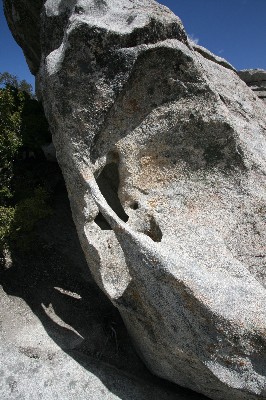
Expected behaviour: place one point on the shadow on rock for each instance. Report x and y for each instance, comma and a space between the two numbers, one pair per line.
55, 282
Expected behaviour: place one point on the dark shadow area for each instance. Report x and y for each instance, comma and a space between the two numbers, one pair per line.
108, 182
134, 206
154, 231
102, 223
54, 281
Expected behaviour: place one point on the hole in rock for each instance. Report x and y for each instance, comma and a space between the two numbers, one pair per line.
102, 223
108, 182
134, 206
154, 231
79, 10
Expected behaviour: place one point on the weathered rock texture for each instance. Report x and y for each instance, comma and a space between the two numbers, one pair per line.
210, 56
256, 80
163, 153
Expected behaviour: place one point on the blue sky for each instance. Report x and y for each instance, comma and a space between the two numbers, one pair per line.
233, 29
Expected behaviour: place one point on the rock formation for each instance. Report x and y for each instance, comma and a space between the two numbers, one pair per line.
256, 80
163, 152
210, 56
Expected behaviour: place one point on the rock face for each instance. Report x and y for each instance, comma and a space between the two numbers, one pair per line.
24, 23
256, 80
210, 56
163, 153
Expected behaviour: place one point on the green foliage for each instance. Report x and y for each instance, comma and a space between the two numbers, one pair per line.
27, 213
22, 113
10, 124
17, 223
31, 210
24, 199
6, 219
6, 79
11, 104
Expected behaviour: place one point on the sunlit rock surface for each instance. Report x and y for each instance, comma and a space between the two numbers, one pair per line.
163, 151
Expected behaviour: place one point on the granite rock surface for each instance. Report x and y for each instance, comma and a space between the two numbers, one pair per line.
210, 56
163, 151
256, 80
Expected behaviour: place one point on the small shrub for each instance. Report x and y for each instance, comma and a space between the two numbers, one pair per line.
30, 210
17, 224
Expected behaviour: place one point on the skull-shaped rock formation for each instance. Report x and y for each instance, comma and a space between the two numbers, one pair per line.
163, 150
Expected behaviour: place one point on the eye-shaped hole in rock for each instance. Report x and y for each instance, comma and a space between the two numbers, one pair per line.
154, 231
134, 205
79, 10
108, 182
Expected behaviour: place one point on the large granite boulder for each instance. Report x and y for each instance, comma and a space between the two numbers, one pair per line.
163, 152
